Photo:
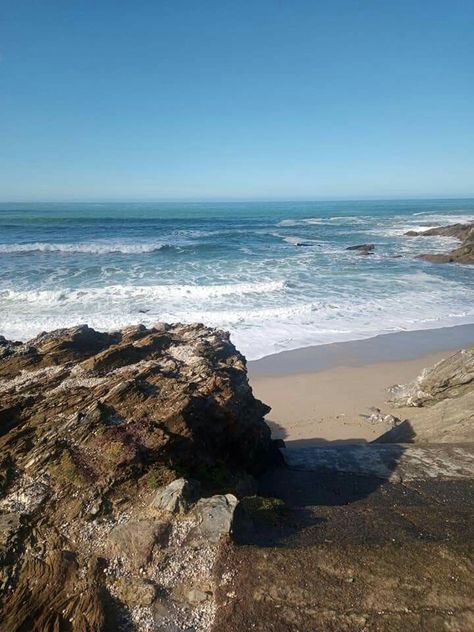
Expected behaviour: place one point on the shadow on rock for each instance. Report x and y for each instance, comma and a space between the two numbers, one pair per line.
328, 474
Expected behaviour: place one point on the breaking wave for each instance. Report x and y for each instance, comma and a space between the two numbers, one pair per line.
94, 248
140, 292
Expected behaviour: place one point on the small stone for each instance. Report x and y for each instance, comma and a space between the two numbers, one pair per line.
95, 507
214, 517
135, 592
177, 496
197, 596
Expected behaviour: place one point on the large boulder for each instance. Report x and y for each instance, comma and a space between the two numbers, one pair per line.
450, 378
132, 396
92, 425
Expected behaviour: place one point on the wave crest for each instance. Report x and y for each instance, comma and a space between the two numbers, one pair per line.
96, 248
137, 292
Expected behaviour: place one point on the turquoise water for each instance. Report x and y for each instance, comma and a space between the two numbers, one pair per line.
276, 275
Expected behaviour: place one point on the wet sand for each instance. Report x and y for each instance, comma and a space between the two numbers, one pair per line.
324, 393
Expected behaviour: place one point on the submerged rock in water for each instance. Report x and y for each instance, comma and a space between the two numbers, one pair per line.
363, 249
91, 425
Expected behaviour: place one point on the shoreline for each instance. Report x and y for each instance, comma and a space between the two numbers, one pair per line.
395, 346
323, 394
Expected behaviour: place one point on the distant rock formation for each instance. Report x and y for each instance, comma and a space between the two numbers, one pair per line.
463, 232
93, 427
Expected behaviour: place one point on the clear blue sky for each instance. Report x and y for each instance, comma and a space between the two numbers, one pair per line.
155, 99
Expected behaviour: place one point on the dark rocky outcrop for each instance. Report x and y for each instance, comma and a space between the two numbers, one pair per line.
363, 249
91, 425
459, 231
463, 254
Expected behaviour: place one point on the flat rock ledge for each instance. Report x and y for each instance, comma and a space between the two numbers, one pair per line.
119, 456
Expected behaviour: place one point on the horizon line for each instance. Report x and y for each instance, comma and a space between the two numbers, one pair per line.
218, 200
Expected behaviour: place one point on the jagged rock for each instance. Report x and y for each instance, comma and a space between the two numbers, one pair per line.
27, 496
459, 231
177, 496
463, 254
91, 424
54, 592
449, 378
180, 389
214, 516
363, 249
10, 524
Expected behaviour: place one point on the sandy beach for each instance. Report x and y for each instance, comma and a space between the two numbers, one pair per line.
324, 394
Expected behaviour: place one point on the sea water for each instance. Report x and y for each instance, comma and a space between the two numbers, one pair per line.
276, 275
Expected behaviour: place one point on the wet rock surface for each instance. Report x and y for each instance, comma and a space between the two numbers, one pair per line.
463, 232
93, 428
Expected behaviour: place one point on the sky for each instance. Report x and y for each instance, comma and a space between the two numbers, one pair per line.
255, 99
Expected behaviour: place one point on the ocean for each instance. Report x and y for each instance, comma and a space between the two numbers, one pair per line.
276, 275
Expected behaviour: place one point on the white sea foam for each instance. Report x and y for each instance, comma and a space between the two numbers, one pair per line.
259, 331
338, 219
459, 217
288, 222
96, 248
140, 292
299, 241
397, 231
401, 225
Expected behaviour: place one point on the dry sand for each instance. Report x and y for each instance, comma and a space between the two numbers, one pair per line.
327, 391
